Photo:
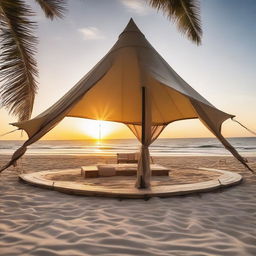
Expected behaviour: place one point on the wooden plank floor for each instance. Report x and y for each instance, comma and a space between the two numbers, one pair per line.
179, 182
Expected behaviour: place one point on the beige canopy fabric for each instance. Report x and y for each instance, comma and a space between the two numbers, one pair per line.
112, 91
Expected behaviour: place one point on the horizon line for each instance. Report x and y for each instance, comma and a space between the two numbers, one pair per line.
129, 138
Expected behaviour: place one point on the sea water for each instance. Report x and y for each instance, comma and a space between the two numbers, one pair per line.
161, 147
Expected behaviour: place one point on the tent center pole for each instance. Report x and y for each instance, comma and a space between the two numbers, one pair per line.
142, 174
143, 135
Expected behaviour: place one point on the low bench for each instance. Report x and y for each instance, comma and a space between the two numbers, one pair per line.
129, 158
90, 171
107, 170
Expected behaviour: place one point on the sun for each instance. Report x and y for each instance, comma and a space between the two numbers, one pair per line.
97, 129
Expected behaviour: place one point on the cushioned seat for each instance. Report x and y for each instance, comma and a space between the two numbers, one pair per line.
127, 158
106, 170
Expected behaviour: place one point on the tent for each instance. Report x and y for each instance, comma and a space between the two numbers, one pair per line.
133, 85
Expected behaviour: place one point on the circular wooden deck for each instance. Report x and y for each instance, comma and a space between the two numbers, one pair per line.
179, 182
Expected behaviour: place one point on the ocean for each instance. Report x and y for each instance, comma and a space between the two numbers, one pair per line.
246, 146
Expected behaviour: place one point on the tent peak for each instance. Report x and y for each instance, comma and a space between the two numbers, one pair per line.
131, 27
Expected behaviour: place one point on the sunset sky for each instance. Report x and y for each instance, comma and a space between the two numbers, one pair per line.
222, 69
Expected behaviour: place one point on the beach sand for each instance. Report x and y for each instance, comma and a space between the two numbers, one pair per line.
35, 221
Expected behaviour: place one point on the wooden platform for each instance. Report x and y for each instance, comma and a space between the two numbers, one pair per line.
70, 182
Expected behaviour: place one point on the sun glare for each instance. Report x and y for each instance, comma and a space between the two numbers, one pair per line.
98, 129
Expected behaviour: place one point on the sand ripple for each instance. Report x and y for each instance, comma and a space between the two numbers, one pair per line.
35, 221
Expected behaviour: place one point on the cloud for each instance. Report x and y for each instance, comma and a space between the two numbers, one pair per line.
136, 6
91, 33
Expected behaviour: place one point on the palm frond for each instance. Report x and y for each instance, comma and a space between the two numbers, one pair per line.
53, 8
185, 13
18, 69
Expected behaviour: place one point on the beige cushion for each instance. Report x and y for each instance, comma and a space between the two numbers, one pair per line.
106, 171
131, 156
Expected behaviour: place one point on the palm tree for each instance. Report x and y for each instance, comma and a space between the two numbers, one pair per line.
18, 69
185, 13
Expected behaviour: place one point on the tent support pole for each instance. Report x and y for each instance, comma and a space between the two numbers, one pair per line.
143, 134
143, 115
141, 183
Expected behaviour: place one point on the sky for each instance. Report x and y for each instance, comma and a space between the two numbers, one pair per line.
222, 69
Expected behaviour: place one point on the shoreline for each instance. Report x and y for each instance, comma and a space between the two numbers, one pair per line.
160, 148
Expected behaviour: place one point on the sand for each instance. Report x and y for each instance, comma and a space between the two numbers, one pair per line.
34, 221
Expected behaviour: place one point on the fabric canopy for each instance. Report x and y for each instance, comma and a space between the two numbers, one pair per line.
112, 91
